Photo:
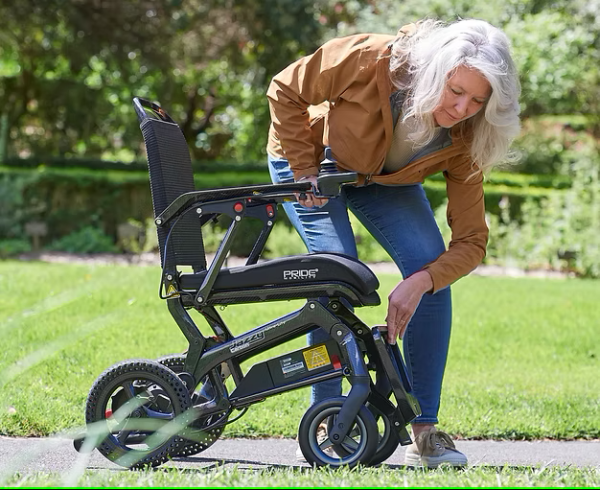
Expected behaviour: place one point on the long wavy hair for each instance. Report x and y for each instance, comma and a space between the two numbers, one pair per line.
421, 64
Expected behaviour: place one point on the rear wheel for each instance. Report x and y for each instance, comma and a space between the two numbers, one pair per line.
198, 438
135, 412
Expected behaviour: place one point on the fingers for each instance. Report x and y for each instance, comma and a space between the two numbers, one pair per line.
393, 332
308, 200
396, 326
403, 302
391, 327
397, 331
402, 324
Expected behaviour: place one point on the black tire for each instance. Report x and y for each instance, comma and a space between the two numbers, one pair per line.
387, 442
356, 449
202, 439
159, 397
388, 438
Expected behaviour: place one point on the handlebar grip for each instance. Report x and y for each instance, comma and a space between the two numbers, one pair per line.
328, 185
330, 179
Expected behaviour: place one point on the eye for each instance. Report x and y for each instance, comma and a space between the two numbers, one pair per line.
479, 101
455, 91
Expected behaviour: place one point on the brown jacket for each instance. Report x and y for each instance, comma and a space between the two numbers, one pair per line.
340, 97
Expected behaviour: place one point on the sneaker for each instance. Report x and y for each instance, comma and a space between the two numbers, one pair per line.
432, 448
321, 437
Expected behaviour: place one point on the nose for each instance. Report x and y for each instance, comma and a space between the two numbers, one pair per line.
462, 106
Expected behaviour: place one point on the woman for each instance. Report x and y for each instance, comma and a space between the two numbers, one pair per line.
435, 98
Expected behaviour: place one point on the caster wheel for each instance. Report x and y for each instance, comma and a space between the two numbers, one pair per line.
388, 440
200, 439
388, 437
358, 447
129, 409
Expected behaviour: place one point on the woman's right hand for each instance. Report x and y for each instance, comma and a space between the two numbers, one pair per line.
308, 199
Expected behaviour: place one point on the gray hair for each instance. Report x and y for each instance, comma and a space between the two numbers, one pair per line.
421, 63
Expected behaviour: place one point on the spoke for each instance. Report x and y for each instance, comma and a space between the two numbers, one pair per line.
124, 432
349, 443
128, 388
327, 443
123, 435
355, 432
127, 406
157, 415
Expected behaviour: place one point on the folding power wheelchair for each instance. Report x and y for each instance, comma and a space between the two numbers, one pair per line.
143, 412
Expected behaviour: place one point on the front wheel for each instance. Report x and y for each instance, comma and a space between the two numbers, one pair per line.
388, 436
388, 440
358, 447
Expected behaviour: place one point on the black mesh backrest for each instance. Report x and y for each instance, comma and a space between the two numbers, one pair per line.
171, 175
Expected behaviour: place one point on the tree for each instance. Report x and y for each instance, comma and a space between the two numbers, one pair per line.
66, 66
69, 69
555, 44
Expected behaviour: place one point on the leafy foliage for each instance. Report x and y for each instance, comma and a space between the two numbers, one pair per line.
559, 232
68, 70
85, 240
555, 44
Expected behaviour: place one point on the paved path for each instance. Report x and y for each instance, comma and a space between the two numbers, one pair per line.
58, 455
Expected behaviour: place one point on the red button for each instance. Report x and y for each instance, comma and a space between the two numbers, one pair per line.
270, 210
238, 207
335, 360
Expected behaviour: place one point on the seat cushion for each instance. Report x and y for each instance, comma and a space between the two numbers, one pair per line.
303, 269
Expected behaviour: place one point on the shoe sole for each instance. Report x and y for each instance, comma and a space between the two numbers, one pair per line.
418, 462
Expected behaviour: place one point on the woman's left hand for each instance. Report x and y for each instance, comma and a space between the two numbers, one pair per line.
403, 301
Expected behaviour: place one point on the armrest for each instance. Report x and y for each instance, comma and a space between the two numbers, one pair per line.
328, 186
272, 192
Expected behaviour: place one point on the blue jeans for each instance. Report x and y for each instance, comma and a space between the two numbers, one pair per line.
401, 220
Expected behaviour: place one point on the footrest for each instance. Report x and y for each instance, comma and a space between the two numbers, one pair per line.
394, 367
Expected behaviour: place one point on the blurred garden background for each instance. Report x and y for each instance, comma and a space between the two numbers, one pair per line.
73, 179
72, 161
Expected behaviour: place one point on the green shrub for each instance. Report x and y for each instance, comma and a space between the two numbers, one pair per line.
67, 199
12, 247
284, 240
547, 142
85, 240
14, 211
559, 231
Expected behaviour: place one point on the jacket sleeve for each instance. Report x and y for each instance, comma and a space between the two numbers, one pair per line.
466, 217
322, 76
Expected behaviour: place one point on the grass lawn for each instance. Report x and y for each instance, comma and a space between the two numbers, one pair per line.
524, 357
475, 477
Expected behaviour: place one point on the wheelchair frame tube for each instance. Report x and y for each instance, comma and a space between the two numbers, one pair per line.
311, 315
215, 267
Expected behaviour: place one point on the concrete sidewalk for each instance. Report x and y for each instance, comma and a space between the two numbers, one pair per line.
58, 455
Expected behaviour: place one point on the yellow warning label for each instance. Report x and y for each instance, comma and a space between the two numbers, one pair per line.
172, 292
317, 357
